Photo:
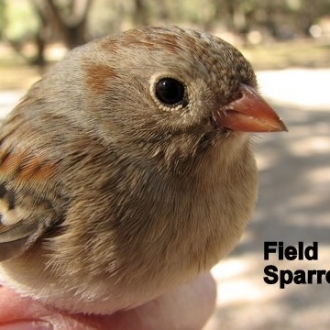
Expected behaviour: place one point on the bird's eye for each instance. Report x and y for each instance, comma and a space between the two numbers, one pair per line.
170, 92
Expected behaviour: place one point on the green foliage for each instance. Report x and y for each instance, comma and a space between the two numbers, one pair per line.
3, 18
20, 21
261, 20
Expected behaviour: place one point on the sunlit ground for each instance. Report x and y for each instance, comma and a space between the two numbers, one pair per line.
294, 205
308, 89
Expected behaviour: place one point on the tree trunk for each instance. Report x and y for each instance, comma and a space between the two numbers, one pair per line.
71, 29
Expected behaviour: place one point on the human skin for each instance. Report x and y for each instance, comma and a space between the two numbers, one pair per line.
189, 307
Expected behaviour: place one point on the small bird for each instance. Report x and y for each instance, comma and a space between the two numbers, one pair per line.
127, 170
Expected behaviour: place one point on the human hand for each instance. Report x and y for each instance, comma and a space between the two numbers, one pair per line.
187, 308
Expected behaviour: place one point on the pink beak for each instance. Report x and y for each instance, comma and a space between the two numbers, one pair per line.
249, 113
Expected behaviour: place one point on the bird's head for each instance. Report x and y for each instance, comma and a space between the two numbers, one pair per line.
167, 90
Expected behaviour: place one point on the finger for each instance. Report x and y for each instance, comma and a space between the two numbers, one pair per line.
187, 308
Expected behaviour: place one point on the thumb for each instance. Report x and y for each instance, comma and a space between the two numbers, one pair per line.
189, 307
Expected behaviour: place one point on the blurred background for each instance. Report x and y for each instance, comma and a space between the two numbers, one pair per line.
288, 43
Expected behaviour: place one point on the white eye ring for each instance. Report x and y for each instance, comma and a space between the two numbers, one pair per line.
169, 92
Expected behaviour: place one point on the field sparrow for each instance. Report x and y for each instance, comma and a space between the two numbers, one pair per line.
127, 170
